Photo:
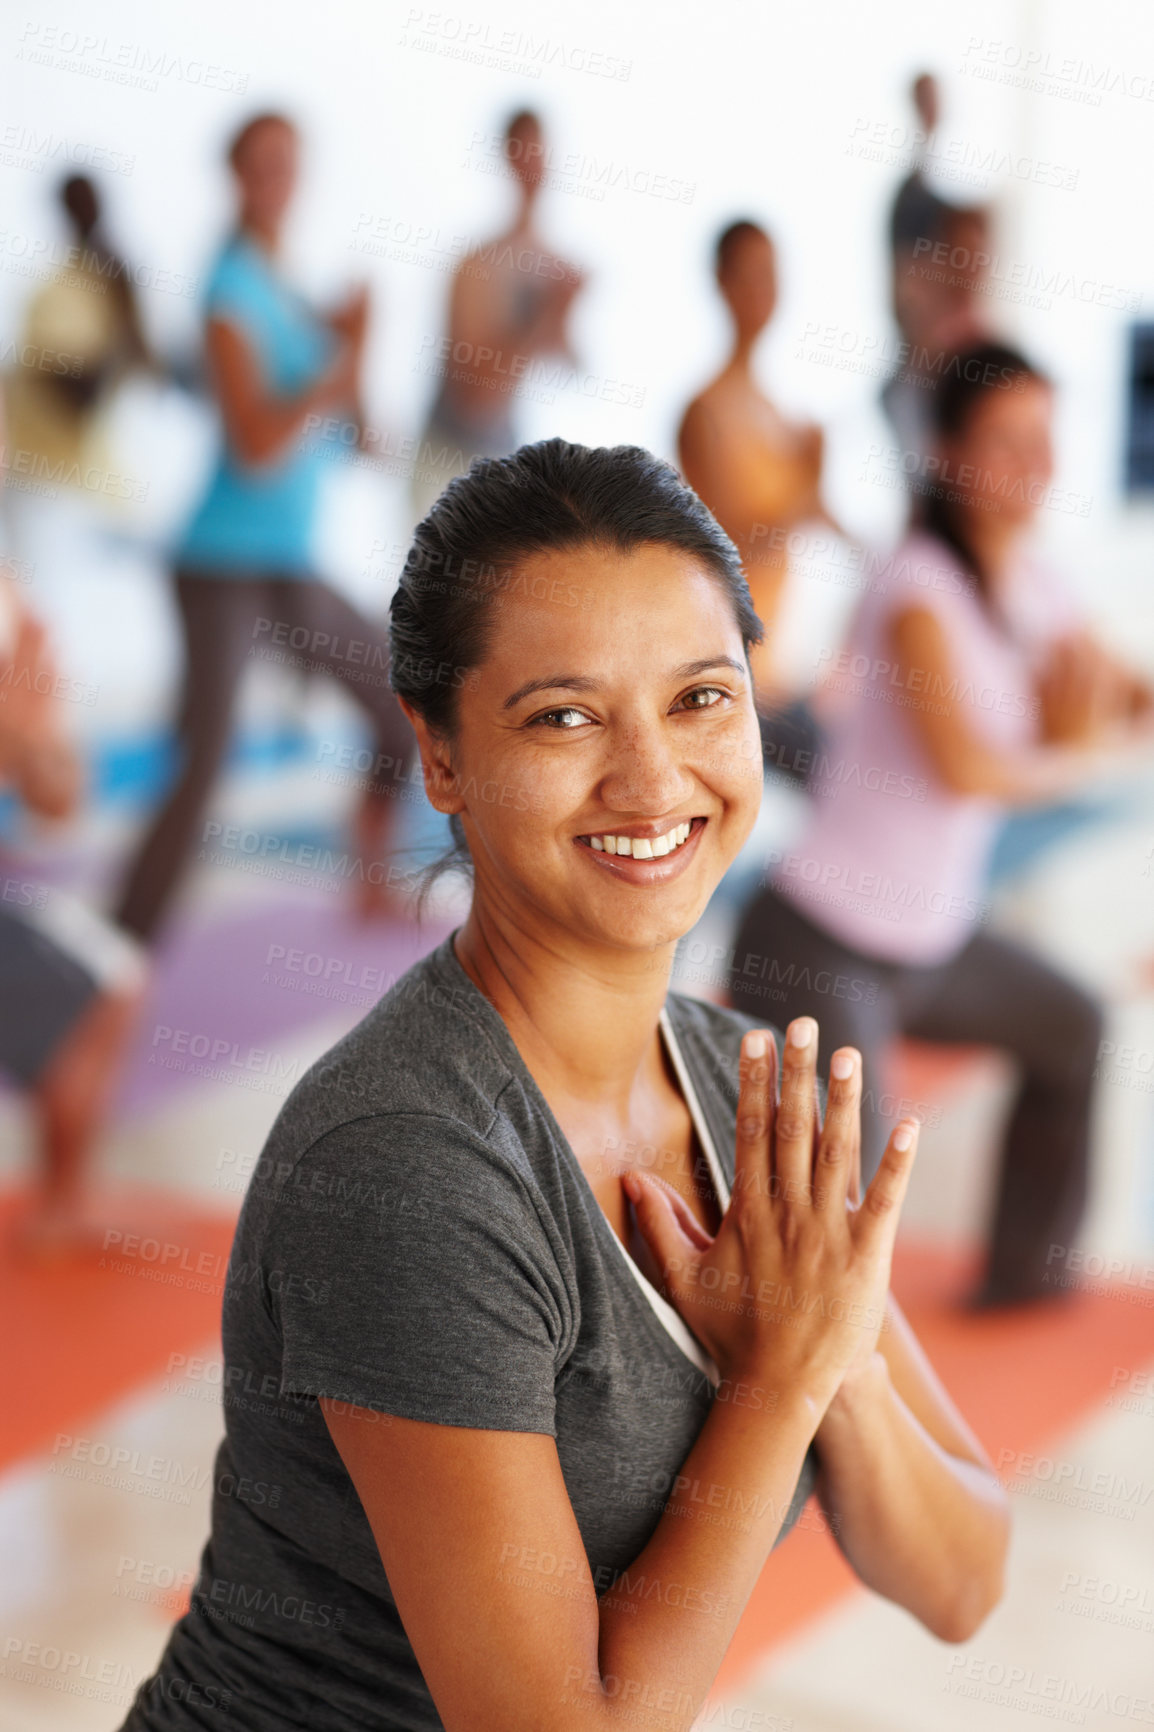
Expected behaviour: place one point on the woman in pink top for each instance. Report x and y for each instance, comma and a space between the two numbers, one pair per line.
967, 686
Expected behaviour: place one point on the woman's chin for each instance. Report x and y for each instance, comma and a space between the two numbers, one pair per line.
647, 931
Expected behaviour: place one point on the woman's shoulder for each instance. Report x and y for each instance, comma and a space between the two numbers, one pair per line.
426, 1051
924, 571
237, 279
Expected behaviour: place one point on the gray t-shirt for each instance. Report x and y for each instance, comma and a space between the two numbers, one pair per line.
418, 1238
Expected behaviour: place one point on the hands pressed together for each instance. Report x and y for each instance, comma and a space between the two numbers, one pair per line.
1087, 696
792, 1289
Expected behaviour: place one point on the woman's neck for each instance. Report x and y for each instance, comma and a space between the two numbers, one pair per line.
993, 542
583, 1020
262, 235
741, 355
524, 221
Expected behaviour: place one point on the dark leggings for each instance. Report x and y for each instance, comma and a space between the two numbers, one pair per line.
226, 621
991, 993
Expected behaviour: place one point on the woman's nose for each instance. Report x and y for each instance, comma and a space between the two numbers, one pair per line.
644, 772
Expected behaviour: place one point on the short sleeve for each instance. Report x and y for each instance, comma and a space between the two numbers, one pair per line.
409, 1271
235, 293
924, 573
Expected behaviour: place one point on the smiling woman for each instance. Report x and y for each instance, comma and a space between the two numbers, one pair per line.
558, 1306
557, 549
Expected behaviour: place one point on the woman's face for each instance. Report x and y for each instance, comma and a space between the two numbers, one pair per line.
614, 703
749, 282
266, 171
525, 153
1003, 458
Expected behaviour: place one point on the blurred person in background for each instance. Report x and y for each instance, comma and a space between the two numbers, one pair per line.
942, 309
245, 565
969, 685
940, 254
919, 211
82, 337
70, 983
939, 259
509, 303
758, 472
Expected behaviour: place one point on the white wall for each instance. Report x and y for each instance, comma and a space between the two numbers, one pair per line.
769, 110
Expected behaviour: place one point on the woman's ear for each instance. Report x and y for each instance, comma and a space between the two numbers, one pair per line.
436, 764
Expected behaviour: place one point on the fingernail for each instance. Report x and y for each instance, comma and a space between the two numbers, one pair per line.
841, 1066
757, 1045
903, 1140
801, 1031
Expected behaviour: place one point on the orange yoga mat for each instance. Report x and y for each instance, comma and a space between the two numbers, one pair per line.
85, 1334
81, 1332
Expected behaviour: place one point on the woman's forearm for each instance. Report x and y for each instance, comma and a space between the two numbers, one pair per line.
1038, 774
962, 756
668, 1620
268, 427
260, 426
925, 1528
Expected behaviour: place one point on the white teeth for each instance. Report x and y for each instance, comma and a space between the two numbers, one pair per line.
642, 847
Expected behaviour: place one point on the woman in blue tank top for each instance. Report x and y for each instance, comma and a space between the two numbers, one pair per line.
244, 569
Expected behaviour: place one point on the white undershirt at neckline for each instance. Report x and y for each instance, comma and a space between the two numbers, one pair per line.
672, 1323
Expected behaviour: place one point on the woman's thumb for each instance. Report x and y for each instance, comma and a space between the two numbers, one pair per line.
667, 1226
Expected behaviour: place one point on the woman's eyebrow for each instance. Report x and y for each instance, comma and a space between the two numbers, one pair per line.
688, 669
551, 683
581, 683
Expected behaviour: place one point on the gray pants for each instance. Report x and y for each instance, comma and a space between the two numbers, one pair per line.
991, 993
226, 620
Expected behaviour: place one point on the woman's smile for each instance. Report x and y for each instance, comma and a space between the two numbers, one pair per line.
644, 854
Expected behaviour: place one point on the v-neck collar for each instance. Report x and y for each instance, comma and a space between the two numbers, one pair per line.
669, 1318
667, 1315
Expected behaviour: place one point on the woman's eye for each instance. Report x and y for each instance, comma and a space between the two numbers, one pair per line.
564, 718
703, 697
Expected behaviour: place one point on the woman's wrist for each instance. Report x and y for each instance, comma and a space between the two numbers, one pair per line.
788, 1393
48, 777
337, 384
859, 1392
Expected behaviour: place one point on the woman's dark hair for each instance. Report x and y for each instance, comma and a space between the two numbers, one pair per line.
240, 139
81, 201
468, 554
521, 118
967, 378
731, 238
